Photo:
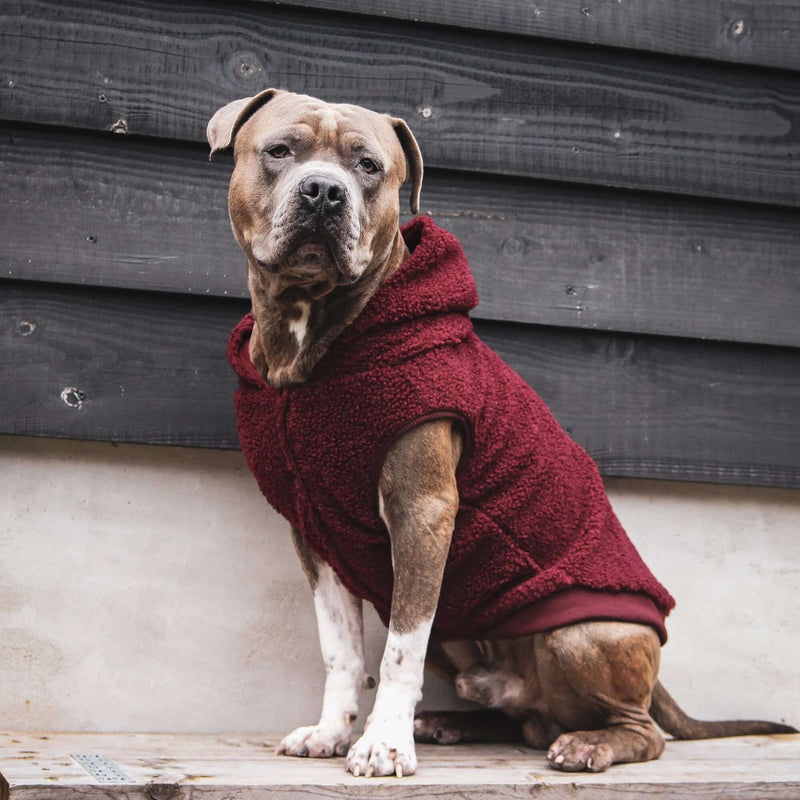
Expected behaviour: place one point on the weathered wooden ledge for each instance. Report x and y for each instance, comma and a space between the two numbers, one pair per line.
42, 766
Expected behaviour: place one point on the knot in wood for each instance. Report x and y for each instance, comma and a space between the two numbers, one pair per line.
737, 29
162, 791
73, 397
245, 66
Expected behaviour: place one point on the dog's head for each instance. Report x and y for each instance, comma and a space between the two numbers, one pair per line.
314, 193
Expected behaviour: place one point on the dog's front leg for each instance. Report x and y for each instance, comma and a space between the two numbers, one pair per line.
341, 640
418, 500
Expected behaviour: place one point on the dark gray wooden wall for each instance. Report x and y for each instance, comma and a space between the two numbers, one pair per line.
625, 178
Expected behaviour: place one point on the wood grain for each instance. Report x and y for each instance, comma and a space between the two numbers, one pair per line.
664, 408
141, 214
141, 367
766, 33
479, 102
128, 368
213, 767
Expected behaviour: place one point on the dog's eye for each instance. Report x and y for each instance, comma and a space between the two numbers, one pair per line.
279, 151
368, 165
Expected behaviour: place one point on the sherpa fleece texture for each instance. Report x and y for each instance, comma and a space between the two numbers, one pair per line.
534, 521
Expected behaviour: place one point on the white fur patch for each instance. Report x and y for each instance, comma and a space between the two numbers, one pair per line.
382, 515
329, 119
402, 666
339, 622
299, 326
341, 640
382, 508
387, 746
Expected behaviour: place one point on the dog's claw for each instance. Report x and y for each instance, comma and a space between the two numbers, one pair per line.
574, 752
375, 757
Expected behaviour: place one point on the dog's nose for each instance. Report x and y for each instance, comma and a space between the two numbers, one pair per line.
322, 194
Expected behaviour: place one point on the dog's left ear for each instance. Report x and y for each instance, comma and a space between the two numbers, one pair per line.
224, 125
414, 158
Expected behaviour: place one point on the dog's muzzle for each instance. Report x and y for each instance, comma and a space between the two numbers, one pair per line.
315, 231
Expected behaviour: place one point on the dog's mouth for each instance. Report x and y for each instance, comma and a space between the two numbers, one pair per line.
311, 257
305, 263
312, 250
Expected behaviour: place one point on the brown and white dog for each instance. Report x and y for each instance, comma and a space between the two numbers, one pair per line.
314, 204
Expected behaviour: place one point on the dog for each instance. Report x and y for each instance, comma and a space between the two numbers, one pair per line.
314, 205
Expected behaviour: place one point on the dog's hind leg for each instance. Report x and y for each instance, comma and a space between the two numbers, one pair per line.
454, 727
600, 676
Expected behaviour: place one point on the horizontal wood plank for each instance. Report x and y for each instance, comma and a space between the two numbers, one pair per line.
478, 102
143, 214
140, 367
765, 33
101, 365
665, 408
212, 767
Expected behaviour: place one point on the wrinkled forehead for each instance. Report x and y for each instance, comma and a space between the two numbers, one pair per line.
337, 126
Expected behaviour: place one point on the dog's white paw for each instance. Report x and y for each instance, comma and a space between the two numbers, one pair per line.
383, 751
315, 741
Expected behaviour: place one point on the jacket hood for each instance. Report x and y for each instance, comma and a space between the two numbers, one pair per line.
425, 304
435, 279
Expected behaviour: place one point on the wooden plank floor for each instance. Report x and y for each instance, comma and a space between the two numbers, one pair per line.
244, 767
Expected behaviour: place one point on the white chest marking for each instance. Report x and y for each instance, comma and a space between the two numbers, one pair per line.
299, 326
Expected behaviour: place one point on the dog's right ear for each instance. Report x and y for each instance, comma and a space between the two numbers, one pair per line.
224, 125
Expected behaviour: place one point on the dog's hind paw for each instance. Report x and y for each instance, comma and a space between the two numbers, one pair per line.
576, 752
437, 726
476, 725
315, 741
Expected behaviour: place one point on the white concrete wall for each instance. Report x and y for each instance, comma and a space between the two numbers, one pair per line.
152, 588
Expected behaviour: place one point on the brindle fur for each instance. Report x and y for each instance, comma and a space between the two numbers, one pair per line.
587, 693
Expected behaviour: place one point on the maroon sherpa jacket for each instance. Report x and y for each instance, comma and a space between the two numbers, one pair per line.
536, 543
